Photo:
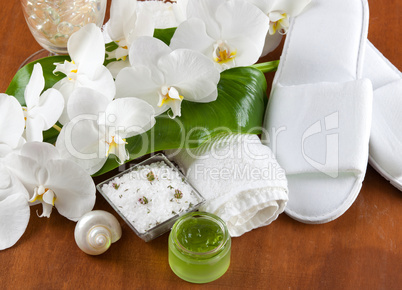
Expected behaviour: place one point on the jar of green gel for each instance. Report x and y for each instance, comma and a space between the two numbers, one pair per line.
199, 247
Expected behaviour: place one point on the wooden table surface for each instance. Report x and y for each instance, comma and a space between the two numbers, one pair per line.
359, 250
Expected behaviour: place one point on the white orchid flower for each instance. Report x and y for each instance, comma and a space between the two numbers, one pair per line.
164, 14
41, 111
124, 26
180, 10
14, 209
278, 12
52, 181
99, 127
164, 78
231, 33
87, 51
11, 125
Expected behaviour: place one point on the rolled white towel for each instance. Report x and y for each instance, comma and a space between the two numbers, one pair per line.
240, 179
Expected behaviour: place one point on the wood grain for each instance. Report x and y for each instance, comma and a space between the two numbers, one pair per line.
359, 250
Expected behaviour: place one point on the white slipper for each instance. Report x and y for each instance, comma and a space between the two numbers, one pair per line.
319, 114
385, 153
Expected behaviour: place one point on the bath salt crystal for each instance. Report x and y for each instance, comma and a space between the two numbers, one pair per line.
150, 194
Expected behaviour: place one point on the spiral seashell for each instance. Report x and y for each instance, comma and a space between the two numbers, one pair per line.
96, 231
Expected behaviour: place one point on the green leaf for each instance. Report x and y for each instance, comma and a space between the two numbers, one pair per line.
111, 46
165, 34
267, 67
239, 109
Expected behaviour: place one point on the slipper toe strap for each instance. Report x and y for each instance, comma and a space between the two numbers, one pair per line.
322, 127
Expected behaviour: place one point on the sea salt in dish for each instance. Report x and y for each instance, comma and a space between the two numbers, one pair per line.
151, 195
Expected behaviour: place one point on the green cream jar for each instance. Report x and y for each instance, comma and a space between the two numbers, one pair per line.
199, 247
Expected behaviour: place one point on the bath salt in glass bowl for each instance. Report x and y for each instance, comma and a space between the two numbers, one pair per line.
151, 196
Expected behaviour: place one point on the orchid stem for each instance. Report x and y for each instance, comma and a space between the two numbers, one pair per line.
57, 127
266, 67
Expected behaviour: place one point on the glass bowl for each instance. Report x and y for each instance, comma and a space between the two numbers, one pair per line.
52, 22
151, 196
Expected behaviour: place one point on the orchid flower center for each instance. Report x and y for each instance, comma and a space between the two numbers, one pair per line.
47, 197
117, 146
71, 70
279, 22
168, 95
223, 53
122, 50
25, 111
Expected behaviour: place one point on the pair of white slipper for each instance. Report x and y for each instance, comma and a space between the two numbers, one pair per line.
321, 120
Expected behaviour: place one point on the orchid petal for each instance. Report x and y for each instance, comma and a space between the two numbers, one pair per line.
264, 5
120, 10
101, 81
14, 218
247, 52
49, 107
40, 152
5, 180
74, 188
290, 7
11, 121
25, 170
128, 28
131, 116
105, 32
141, 25
116, 66
5, 149
147, 50
206, 10
86, 101
10, 184
34, 128
160, 13
191, 72
65, 87
138, 82
180, 10
34, 87
192, 34
86, 48
80, 141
